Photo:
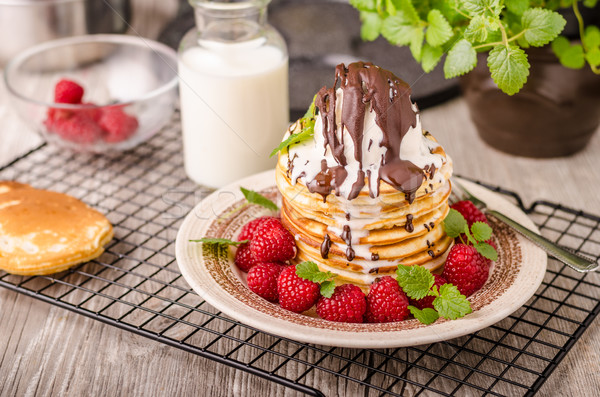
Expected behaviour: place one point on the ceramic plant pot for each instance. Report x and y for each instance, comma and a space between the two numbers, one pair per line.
555, 113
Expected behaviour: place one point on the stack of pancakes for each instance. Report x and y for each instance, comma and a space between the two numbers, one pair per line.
385, 231
363, 212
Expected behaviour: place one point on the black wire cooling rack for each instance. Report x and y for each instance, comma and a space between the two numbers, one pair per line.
136, 285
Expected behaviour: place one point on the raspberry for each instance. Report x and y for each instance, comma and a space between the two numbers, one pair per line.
67, 91
79, 128
428, 300
118, 125
295, 293
346, 305
272, 242
249, 228
469, 211
386, 302
243, 257
466, 269
262, 280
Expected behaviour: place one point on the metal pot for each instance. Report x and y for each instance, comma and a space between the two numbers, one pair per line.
24, 23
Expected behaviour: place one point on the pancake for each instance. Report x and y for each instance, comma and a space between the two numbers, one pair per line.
44, 232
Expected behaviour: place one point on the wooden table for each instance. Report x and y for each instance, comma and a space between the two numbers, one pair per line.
45, 350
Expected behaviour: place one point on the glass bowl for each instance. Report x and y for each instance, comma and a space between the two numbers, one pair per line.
128, 75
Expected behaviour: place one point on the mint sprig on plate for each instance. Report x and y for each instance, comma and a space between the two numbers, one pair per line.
223, 242
455, 226
256, 198
310, 271
418, 282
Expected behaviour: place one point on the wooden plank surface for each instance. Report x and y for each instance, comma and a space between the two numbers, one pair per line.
48, 351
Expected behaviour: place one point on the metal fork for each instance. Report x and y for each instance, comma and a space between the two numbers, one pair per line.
575, 261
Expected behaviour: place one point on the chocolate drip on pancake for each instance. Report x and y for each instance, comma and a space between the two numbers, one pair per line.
325, 246
363, 83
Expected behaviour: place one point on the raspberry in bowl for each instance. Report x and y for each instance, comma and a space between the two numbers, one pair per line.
95, 93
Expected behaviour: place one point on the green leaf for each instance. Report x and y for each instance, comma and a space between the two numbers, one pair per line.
517, 7
509, 67
482, 7
451, 304
390, 7
371, 25
405, 27
416, 44
327, 288
425, 316
454, 223
439, 30
430, 57
219, 241
257, 198
487, 251
590, 3
481, 231
305, 134
414, 280
364, 5
461, 59
310, 271
571, 56
477, 29
591, 37
467, 233
541, 26
560, 45
593, 57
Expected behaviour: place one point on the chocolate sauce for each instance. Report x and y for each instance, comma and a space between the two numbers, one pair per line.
409, 225
427, 227
350, 253
389, 97
347, 235
374, 257
347, 216
325, 246
431, 254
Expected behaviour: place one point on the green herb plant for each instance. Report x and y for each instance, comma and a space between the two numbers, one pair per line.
461, 28
307, 130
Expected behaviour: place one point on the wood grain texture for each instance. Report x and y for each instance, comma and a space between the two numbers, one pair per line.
48, 351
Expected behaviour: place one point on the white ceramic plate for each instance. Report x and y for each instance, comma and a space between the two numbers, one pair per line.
211, 273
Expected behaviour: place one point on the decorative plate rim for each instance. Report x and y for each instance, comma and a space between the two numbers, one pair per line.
229, 295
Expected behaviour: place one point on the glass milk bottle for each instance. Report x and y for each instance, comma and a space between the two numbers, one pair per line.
233, 83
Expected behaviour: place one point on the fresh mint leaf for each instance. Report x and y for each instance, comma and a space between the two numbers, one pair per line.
327, 288
487, 251
426, 316
593, 57
310, 271
364, 5
416, 43
451, 304
461, 59
257, 198
541, 26
570, 56
405, 27
509, 67
430, 57
477, 30
219, 241
482, 7
407, 7
454, 223
481, 231
390, 7
591, 37
414, 280
467, 233
305, 134
439, 30
590, 3
371, 25
517, 7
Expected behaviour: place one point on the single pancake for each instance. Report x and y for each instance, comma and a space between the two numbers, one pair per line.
44, 232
